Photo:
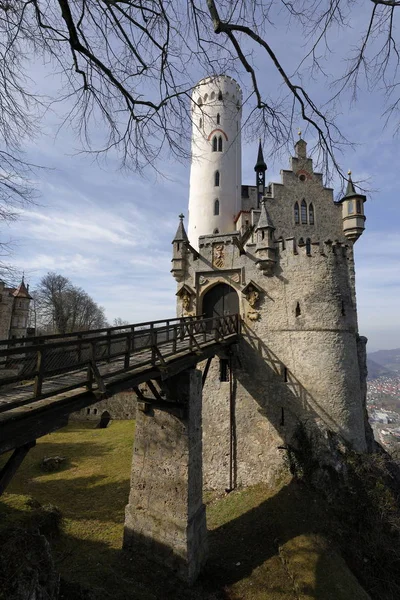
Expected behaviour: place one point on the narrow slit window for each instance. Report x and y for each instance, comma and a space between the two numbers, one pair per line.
296, 213
285, 374
201, 123
218, 119
358, 207
216, 179
298, 310
311, 214
216, 207
343, 309
215, 143
220, 144
88, 411
308, 247
224, 369
304, 212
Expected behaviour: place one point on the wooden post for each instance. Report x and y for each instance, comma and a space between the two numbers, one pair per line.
174, 339
37, 388
153, 342
108, 345
127, 351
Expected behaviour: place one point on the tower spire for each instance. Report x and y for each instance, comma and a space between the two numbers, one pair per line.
260, 168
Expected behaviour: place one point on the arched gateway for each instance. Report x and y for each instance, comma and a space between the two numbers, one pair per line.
220, 300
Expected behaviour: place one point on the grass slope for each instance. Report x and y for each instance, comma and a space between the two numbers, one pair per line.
264, 544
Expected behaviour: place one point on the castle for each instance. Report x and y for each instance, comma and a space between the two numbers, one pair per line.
280, 255
14, 310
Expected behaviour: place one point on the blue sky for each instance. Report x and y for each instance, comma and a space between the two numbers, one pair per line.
110, 231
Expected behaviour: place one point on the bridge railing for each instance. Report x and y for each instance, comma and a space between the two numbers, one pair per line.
93, 356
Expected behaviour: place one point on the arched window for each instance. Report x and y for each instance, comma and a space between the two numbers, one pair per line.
220, 143
311, 214
308, 247
212, 95
358, 207
215, 143
304, 212
350, 208
218, 119
201, 123
216, 179
220, 96
216, 231
216, 207
296, 213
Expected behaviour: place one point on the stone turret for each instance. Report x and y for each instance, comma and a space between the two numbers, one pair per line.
353, 212
179, 251
215, 174
265, 245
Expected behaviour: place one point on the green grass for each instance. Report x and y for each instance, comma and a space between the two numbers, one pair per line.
264, 544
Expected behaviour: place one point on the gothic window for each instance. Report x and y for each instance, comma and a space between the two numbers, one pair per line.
311, 214
350, 208
296, 213
298, 311
216, 179
220, 143
215, 143
358, 207
216, 207
308, 247
220, 96
303, 213
218, 119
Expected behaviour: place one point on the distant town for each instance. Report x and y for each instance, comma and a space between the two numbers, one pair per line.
383, 398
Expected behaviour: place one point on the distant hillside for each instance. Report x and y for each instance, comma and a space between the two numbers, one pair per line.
375, 370
389, 359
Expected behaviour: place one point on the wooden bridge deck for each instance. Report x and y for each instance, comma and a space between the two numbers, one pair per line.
43, 380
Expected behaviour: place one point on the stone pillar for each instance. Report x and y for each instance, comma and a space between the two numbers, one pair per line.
165, 518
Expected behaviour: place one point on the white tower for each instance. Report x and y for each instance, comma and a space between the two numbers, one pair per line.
216, 169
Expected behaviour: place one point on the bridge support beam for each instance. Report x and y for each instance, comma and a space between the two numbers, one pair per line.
165, 518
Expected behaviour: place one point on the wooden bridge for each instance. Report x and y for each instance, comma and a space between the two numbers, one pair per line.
44, 379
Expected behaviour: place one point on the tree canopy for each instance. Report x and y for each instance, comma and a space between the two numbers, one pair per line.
60, 307
131, 65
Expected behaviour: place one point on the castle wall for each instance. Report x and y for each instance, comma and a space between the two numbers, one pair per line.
315, 351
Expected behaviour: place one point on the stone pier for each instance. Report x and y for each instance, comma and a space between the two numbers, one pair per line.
165, 518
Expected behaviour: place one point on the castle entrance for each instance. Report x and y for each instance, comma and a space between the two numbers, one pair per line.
220, 300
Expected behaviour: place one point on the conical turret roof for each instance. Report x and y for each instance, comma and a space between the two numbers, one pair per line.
22, 291
180, 235
260, 164
351, 191
264, 221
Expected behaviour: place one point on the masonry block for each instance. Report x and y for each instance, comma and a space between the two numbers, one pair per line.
165, 518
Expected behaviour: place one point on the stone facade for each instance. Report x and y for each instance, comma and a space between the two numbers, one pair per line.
14, 311
289, 259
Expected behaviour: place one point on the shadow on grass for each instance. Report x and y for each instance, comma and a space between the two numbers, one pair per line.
243, 552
